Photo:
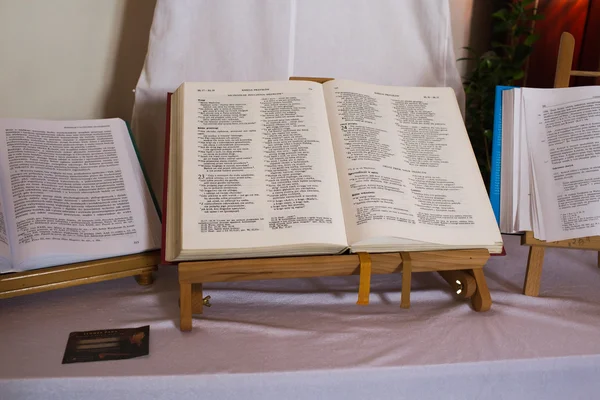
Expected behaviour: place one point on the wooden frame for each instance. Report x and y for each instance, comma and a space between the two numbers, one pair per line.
565, 62
141, 266
462, 269
535, 260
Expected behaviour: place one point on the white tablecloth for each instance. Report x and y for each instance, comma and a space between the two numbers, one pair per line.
306, 338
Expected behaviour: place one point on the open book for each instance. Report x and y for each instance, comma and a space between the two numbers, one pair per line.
299, 168
71, 191
551, 162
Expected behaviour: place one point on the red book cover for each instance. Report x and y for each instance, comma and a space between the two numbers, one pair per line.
165, 182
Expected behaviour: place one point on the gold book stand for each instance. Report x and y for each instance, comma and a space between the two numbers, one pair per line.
462, 269
535, 261
141, 266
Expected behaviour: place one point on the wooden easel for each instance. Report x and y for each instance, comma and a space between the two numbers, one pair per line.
535, 261
141, 266
462, 269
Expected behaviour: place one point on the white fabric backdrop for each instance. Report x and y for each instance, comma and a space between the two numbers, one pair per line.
405, 43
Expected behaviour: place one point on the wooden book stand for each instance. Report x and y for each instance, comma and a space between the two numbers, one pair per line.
462, 269
40, 280
535, 261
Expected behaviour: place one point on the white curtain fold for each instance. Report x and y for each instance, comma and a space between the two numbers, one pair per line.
392, 42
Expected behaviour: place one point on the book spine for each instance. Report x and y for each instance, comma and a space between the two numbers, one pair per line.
497, 152
166, 182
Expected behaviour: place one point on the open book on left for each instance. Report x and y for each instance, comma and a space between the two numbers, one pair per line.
71, 191
260, 169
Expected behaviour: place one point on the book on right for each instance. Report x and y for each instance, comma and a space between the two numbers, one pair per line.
258, 169
551, 162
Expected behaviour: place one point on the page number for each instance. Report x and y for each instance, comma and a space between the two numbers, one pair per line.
136, 242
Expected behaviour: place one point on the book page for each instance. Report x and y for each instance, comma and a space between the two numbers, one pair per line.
75, 192
4, 250
515, 159
523, 172
5, 257
507, 171
258, 167
5, 253
406, 167
563, 132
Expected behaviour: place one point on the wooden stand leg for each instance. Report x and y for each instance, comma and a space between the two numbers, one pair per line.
461, 282
406, 280
533, 276
364, 286
481, 300
185, 307
197, 299
145, 279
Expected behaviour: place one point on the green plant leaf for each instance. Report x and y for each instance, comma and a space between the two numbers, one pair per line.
501, 14
496, 44
503, 63
522, 51
521, 32
530, 40
470, 50
488, 55
501, 27
518, 75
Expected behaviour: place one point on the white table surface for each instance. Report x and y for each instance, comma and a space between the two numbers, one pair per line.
306, 338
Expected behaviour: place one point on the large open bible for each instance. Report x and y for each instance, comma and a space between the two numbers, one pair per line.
259, 169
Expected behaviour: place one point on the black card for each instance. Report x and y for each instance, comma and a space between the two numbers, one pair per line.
107, 344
